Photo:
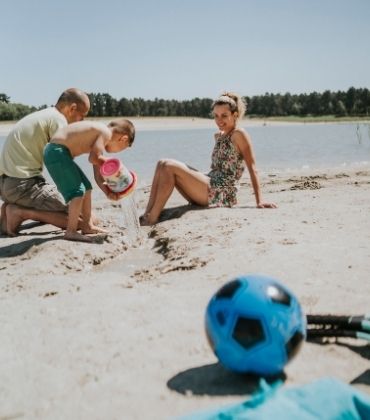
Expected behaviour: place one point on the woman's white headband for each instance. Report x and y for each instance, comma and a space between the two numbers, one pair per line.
225, 100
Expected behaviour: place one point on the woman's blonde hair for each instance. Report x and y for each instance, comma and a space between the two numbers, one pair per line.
236, 103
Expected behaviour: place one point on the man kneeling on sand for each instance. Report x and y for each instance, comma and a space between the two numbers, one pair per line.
76, 139
24, 190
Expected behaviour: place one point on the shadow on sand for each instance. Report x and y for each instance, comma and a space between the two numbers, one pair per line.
217, 381
364, 378
177, 212
21, 248
362, 350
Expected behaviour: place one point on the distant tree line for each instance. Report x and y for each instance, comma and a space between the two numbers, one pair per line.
10, 111
103, 105
353, 102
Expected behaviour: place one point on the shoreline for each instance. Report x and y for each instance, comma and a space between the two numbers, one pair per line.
129, 318
182, 123
163, 123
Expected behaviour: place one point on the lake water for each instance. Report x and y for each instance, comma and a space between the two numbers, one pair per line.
279, 148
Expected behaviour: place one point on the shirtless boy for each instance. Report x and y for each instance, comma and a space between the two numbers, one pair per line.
76, 139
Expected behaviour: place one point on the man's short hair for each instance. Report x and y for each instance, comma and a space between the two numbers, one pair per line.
71, 96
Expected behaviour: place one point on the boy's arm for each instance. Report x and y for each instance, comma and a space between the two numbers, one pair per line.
96, 156
102, 185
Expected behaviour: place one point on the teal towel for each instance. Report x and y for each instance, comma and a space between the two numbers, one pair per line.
325, 399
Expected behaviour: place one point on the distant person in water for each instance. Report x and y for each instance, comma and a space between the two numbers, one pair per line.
74, 140
232, 151
23, 189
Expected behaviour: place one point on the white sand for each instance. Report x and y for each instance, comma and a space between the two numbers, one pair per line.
106, 332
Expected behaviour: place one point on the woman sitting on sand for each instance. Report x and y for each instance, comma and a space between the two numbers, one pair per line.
218, 187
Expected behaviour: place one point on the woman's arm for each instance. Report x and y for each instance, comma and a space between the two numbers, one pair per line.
243, 143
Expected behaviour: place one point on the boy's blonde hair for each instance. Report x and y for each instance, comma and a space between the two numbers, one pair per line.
123, 126
236, 103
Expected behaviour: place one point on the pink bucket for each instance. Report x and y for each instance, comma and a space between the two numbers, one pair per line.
117, 177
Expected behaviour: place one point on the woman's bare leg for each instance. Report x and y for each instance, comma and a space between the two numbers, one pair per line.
154, 187
172, 174
162, 165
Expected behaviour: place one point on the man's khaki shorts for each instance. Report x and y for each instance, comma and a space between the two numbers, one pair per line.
33, 193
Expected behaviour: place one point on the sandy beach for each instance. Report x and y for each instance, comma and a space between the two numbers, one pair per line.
116, 330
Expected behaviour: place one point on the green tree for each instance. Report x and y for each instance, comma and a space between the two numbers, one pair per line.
287, 104
110, 105
4, 98
350, 100
327, 107
313, 103
340, 108
10, 112
125, 108
365, 97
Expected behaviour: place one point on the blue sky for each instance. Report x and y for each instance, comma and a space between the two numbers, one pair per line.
181, 49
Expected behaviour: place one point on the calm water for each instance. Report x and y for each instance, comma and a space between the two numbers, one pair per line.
277, 148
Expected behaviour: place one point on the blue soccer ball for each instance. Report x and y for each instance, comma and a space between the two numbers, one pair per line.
255, 324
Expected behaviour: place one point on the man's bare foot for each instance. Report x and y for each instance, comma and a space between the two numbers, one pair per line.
14, 219
3, 219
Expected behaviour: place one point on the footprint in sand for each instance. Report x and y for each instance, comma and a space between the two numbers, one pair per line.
287, 241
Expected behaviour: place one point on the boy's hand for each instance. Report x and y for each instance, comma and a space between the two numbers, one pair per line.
101, 159
109, 193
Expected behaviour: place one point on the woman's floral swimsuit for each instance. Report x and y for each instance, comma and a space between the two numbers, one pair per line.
226, 169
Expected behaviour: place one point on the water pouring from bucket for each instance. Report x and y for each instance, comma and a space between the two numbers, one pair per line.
117, 177
123, 182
